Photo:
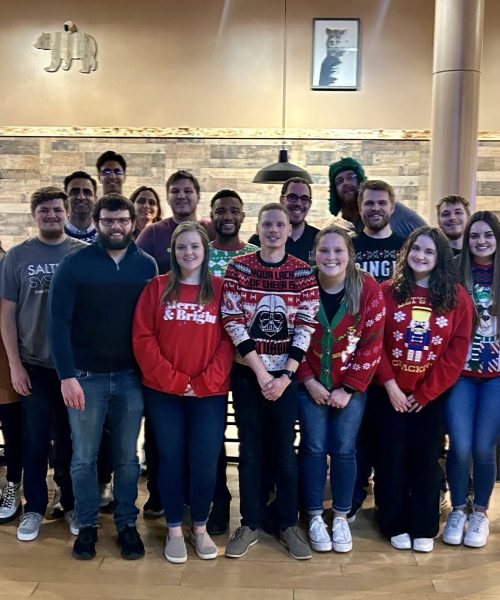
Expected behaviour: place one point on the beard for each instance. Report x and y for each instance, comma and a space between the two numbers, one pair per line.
51, 234
454, 235
378, 226
110, 244
225, 234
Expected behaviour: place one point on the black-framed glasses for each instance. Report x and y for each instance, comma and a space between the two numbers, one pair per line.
294, 198
120, 220
108, 172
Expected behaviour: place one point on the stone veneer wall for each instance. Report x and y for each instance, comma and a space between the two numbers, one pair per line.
32, 158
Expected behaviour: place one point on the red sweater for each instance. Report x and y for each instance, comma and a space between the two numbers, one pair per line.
182, 342
423, 351
353, 345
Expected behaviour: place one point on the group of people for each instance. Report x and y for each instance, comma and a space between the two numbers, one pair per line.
381, 347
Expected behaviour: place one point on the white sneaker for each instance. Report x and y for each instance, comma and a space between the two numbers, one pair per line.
477, 531
105, 494
401, 541
455, 528
423, 544
318, 535
70, 518
29, 527
11, 502
341, 535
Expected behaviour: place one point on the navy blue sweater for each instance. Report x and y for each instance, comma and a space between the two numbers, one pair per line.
91, 307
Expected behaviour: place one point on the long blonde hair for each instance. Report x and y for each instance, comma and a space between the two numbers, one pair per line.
353, 275
173, 287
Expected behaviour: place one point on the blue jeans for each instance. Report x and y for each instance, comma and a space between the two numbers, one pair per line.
119, 396
43, 411
192, 428
473, 424
326, 430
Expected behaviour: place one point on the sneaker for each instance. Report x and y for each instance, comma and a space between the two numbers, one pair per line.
296, 543
240, 542
84, 546
10, 506
455, 528
401, 541
29, 527
477, 531
153, 508
319, 537
55, 509
106, 497
351, 515
423, 544
70, 518
131, 543
175, 549
341, 535
218, 519
203, 545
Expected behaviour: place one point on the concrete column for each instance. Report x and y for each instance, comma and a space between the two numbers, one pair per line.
458, 39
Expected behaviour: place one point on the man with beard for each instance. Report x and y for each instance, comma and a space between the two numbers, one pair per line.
81, 190
376, 248
346, 175
112, 172
90, 321
453, 213
183, 196
377, 245
27, 273
269, 305
296, 197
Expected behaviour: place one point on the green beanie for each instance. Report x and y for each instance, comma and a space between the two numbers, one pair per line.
344, 164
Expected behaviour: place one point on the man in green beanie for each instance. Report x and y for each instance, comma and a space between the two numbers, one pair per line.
345, 177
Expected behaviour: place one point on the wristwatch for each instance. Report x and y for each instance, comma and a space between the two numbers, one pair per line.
289, 374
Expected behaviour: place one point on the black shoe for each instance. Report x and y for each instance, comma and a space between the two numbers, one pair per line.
84, 546
131, 543
218, 520
153, 508
351, 515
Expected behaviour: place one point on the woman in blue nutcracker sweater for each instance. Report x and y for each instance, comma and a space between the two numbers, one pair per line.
340, 363
473, 405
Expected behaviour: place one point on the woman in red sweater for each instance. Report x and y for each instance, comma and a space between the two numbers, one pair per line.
185, 357
427, 333
340, 363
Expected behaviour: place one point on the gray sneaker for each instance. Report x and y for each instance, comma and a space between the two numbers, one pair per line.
175, 549
296, 543
240, 542
70, 518
203, 545
29, 527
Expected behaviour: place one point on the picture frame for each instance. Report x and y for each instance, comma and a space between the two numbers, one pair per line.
335, 54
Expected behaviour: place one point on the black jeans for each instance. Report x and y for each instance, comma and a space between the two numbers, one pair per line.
265, 425
42, 408
10, 417
408, 473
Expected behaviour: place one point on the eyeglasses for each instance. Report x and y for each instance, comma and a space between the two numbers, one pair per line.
347, 179
294, 198
108, 172
120, 220
150, 202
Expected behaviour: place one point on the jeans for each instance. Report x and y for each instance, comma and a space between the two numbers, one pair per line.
42, 411
473, 424
117, 395
192, 428
326, 430
265, 425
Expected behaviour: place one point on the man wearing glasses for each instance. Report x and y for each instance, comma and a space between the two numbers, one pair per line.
346, 175
111, 169
90, 320
296, 197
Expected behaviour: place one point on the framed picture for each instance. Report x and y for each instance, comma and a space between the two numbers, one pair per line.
335, 54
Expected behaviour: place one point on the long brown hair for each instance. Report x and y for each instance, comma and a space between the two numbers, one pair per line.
173, 287
467, 258
443, 279
353, 275
144, 188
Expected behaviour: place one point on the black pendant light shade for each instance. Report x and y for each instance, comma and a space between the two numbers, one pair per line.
281, 171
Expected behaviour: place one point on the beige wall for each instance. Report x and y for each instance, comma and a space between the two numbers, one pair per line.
210, 63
